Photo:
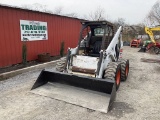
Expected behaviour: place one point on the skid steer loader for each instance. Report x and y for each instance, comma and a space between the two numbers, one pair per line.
91, 73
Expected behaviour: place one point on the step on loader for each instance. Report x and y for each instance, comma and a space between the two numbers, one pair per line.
91, 73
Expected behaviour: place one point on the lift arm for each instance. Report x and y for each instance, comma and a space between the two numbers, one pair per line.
150, 33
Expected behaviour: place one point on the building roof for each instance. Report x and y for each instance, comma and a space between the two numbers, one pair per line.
21, 8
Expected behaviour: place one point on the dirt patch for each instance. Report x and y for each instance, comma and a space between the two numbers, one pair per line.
120, 109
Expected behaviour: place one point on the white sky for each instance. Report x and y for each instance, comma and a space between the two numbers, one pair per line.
133, 11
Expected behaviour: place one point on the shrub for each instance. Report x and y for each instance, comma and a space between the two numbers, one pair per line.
24, 53
62, 49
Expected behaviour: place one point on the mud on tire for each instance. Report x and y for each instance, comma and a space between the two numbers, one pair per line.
113, 72
60, 64
124, 69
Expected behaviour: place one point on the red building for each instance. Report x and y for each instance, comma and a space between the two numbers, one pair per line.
59, 28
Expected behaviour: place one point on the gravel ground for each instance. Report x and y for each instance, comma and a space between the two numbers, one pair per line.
137, 99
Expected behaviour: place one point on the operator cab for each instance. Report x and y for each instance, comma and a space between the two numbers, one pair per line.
95, 37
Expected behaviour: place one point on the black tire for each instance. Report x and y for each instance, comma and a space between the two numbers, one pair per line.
156, 50
113, 72
60, 64
150, 50
124, 69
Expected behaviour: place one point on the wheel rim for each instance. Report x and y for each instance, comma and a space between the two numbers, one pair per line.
127, 70
118, 77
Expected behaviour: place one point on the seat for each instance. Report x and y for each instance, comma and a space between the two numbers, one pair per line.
97, 47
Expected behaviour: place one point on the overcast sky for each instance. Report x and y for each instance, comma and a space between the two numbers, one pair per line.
133, 11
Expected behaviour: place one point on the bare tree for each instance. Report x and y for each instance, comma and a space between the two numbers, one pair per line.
97, 15
26, 6
39, 7
121, 21
153, 17
58, 10
140, 27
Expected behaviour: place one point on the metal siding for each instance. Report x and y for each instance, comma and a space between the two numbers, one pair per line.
14, 39
22, 15
60, 32
49, 41
18, 43
52, 36
32, 46
56, 45
59, 29
2, 41
6, 37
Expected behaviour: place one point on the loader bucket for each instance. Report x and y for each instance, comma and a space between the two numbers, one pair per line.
92, 93
143, 49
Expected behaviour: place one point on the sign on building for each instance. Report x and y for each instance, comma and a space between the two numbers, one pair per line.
33, 30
